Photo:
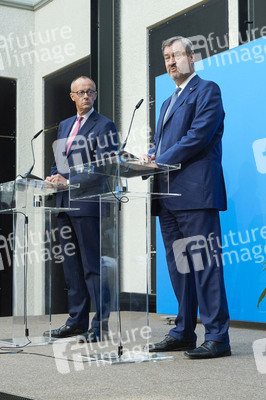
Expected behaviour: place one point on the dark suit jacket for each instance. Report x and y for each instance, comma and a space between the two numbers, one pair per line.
100, 140
192, 136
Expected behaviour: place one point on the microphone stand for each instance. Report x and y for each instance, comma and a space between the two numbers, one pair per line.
28, 174
128, 155
121, 151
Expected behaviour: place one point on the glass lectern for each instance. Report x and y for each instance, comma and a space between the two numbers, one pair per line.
123, 188
30, 249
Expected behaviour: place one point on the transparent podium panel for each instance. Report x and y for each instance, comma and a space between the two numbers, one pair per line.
26, 193
125, 278
32, 256
31, 246
124, 192
114, 176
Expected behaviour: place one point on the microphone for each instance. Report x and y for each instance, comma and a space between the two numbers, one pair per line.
37, 134
139, 104
120, 151
28, 174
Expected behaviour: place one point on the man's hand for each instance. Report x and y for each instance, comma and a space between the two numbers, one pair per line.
56, 179
147, 158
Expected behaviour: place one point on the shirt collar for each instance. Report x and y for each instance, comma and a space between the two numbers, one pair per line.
86, 116
184, 84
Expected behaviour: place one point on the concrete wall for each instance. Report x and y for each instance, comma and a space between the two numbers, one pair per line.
68, 25
33, 45
16, 25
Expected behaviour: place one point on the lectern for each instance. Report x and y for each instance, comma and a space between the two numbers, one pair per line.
30, 249
124, 188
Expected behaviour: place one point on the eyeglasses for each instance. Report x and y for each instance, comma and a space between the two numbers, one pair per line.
81, 93
177, 55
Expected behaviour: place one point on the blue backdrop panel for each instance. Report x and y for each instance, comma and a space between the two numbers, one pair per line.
240, 73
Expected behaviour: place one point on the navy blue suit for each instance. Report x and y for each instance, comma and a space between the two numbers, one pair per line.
82, 266
190, 224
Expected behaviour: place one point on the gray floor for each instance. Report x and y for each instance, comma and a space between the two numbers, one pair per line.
36, 374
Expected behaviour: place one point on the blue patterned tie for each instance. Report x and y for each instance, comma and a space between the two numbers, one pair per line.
172, 102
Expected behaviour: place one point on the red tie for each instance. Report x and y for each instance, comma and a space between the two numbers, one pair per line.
73, 134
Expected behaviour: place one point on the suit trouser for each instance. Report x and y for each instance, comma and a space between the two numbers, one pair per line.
81, 263
192, 241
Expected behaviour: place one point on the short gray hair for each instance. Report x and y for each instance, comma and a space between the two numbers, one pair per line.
188, 45
82, 77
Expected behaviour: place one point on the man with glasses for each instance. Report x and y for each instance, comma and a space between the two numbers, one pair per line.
80, 228
189, 131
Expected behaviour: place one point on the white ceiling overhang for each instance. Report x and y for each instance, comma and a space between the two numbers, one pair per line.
25, 4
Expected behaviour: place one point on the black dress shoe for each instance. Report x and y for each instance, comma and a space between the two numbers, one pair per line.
64, 331
210, 349
171, 344
93, 335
